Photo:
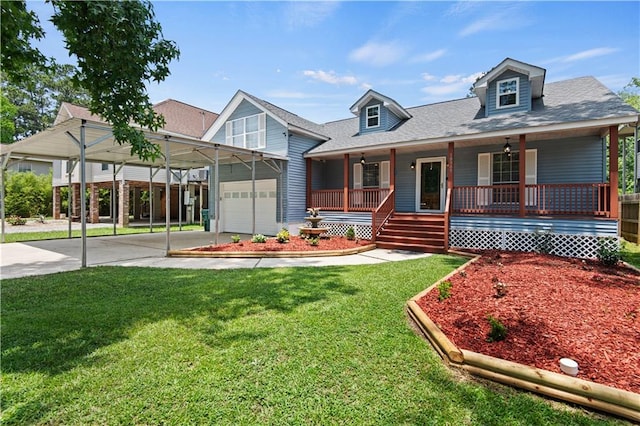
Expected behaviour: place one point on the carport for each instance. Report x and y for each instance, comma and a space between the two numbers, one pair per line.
82, 141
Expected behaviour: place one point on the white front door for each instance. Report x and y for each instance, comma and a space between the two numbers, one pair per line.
236, 207
430, 187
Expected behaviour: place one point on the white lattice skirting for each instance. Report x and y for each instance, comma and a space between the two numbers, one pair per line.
362, 231
568, 245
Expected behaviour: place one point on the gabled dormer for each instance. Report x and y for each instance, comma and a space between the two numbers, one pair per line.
378, 113
510, 87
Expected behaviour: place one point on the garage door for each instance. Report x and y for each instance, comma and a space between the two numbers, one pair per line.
236, 207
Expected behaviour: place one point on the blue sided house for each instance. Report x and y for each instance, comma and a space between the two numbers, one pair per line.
523, 165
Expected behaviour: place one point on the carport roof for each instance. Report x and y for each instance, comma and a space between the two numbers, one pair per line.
61, 142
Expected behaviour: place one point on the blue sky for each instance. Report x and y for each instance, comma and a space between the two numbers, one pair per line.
316, 59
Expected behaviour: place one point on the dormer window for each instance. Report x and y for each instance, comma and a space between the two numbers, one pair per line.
373, 116
507, 95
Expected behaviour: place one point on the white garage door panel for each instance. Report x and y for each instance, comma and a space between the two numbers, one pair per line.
236, 207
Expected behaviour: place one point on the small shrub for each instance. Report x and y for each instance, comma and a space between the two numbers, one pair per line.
498, 330
258, 238
314, 241
16, 220
609, 253
351, 233
283, 236
235, 239
444, 290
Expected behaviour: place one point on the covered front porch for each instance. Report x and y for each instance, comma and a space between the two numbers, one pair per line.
456, 179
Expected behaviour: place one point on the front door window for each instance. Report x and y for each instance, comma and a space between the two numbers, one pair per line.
430, 184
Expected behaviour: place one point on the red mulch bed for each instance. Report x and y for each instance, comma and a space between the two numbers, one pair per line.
554, 308
295, 244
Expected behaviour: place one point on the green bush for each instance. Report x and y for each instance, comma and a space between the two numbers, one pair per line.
351, 233
16, 220
28, 194
258, 238
609, 253
235, 239
498, 330
314, 241
444, 290
283, 236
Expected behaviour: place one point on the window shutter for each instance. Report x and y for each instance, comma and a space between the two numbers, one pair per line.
385, 176
483, 195
531, 178
357, 176
228, 133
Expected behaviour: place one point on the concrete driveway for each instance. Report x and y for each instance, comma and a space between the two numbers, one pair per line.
51, 256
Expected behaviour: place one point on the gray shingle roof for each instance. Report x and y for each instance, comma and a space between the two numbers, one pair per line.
289, 117
575, 100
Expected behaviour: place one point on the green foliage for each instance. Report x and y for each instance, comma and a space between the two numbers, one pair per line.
120, 48
314, 241
444, 290
350, 234
631, 95
258, 238
16, 220
498, 330
283, 236
235, 239
28, 194
39, 95
609, 252
19, 27
8, 113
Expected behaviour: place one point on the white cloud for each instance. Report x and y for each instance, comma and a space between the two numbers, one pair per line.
450, 85
378, 54
309, 14
462, 7
428, 57
587, 54
366, 86
331, 77
507, 17
429, 77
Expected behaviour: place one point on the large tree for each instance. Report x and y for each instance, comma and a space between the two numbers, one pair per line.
119, 47
37, 97
631, 95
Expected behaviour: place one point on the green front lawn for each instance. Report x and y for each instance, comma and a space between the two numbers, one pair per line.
110, 345
631, 253
106, 231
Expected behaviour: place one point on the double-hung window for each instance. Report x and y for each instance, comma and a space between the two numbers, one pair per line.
373, 116
247, 132
371, 175
508, 93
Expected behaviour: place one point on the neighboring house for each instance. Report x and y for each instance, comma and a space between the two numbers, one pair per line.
30, 165
132, 183
522, 166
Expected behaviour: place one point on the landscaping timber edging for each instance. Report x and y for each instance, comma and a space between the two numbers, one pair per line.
559, 386
270, 254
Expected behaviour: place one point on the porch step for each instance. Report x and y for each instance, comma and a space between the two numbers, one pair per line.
415, 232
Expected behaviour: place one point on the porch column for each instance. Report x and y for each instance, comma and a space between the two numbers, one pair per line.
392, 170
309, 174
522, 170
94, 213
345, 179
56, 202
450, 166
613, 171
123, 204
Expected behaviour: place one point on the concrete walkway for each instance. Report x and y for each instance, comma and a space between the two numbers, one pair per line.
148, 250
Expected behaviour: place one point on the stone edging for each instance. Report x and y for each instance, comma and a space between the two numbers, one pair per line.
269, 254
559, 386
